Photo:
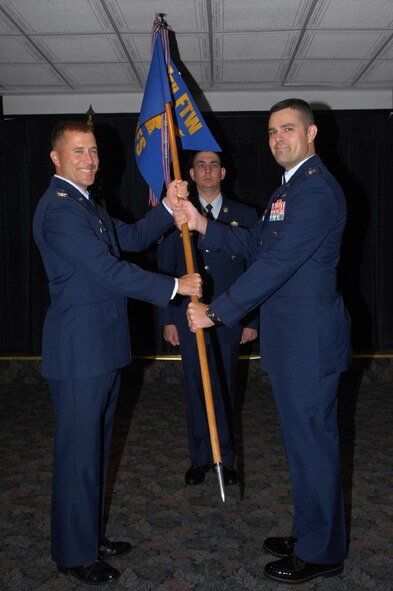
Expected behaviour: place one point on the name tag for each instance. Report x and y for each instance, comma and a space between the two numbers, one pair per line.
277, 212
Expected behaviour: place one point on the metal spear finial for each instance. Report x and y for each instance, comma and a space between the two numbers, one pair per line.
220, 476
160, 16
90, 114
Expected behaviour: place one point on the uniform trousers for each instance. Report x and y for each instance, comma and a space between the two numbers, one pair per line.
307, 409
222, 360
85, 410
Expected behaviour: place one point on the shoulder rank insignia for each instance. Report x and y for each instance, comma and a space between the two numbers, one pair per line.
234, 223
61, 194
311, 171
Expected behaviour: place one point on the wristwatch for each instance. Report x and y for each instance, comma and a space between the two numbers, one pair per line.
215, 319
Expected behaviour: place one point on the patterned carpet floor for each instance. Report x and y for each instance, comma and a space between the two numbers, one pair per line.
186, 538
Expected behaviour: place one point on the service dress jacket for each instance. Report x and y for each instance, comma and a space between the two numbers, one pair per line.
295, 248
218, 270
86, 330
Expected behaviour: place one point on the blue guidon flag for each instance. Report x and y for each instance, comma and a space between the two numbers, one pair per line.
165, 85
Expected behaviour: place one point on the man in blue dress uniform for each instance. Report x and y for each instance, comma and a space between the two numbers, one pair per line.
218, 271
86, 340
305, 333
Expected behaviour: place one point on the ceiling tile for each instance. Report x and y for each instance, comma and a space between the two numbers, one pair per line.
14, 50
87, 74
82, 48
137, 16
250, 73
353, 14
387, 50
59, 16
192, 47
32, 75
188, 47
196, 73
254, 15
341, 44
138, 46
253, 46
380, 74
6, 26
327, 72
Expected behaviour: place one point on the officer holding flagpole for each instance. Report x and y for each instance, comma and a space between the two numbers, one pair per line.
304, 333
86, 340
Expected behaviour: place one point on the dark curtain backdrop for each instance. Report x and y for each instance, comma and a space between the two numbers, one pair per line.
356, 145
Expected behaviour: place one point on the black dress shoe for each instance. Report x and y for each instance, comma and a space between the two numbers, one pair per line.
230, 475
280, 547
93, 573
110, 549
294, 570
196, 474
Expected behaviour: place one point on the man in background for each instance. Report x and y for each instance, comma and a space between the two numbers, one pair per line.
218, 271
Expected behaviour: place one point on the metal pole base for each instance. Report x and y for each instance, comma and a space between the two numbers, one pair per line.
220, 476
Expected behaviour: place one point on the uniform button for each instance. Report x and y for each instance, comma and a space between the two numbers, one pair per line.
261, 242
233, 257
206, 267
207, 250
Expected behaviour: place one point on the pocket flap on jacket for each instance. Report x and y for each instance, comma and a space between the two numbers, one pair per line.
96, 311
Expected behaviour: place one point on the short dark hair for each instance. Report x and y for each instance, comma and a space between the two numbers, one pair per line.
298, 105
60, 129
195, 154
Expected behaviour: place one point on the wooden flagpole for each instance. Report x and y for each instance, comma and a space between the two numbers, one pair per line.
200, 337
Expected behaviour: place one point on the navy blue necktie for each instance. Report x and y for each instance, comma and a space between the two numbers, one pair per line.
208, 210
